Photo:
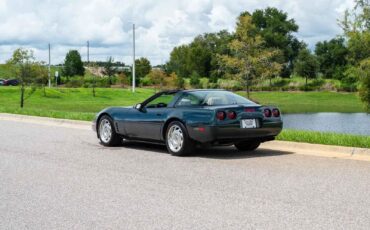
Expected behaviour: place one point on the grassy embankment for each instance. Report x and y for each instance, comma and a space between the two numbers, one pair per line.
325, 138
76, 104
79, 104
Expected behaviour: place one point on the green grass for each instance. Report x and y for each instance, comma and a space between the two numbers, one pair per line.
310, 102
79, 103
325, 138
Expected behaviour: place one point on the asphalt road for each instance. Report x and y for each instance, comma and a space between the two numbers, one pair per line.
61, 178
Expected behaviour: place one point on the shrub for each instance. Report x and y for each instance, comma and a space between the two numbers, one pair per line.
204, 83
195, 80
230, 84
74, 82
349, 81
145, 81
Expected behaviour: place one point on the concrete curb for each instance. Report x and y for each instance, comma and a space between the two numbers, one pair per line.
319, 150
46, 121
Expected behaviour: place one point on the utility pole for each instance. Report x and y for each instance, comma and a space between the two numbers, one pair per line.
49, 80
88, 52
133, 60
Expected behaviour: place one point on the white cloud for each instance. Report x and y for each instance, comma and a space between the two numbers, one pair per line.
161, 25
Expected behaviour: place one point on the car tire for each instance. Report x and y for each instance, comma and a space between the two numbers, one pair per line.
107, 133
247, 145
177, 139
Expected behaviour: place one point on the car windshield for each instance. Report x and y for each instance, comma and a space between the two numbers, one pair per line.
204, 98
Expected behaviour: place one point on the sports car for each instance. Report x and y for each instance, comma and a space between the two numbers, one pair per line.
185, 119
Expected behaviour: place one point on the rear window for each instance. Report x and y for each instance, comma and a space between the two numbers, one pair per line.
211, 98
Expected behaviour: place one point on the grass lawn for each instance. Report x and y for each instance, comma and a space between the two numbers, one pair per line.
77, 104
310, 102
325, 138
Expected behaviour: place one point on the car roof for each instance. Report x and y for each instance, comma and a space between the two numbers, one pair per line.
188, 90
194, 90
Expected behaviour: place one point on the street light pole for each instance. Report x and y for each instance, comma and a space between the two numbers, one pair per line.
133, 60
49, 81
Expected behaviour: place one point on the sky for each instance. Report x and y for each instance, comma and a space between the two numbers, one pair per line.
160, 25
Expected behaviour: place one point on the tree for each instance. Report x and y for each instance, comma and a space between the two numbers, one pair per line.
249, 58
109, 69
276, 30
200, 56
41, 76
28, 71
356, 27
178, 61
73, 64
364, 73
332, 57
142, 68
306, 65
157, 77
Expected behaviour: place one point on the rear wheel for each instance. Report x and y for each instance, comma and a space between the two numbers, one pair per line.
107, 134
247, 145
177, 139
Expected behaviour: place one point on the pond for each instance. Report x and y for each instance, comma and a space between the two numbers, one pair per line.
350, 123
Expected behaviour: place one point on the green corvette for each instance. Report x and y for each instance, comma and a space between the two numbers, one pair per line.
184, 119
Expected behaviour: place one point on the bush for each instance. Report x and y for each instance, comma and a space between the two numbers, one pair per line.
146, 81
204, 83
180, 82
349, 81
230, 84
74, 82
364, 70
195, 80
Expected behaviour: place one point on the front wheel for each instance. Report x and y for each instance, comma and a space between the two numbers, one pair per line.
247, 145
177, 139
107, 134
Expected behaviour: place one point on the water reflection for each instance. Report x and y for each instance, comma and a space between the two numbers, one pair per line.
351, 123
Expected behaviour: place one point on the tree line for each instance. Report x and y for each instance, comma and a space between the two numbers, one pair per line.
263, 46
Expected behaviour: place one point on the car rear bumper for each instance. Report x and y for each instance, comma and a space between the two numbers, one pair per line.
233, 133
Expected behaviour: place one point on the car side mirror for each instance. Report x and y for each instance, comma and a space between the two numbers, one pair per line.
139, 106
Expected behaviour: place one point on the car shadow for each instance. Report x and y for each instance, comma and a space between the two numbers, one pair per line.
231, 153
215, 152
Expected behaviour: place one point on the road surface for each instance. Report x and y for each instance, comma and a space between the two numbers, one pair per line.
60, 178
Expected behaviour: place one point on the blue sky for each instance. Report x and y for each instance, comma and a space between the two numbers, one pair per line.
161, 25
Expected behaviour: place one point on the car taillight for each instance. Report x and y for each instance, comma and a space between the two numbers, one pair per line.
250, 110
275, 112
220, 115
231, 115
267, 112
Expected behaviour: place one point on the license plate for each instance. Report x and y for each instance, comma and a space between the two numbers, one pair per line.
248, 123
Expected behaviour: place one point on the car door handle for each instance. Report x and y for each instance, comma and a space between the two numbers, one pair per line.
159, 114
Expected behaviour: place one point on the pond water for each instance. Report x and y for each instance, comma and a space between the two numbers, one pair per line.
350, 123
